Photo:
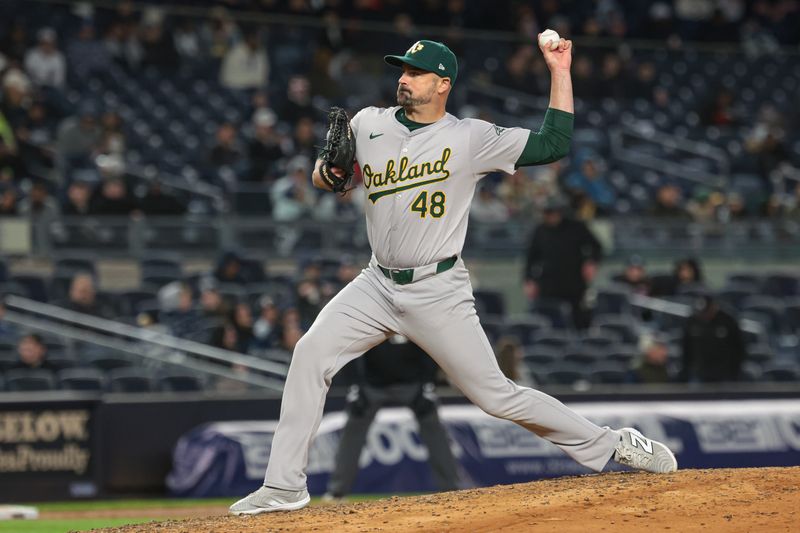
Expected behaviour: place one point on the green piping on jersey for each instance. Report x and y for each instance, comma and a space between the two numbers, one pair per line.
378, 194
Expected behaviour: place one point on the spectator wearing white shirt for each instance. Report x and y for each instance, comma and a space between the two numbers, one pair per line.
45, 63
246, 65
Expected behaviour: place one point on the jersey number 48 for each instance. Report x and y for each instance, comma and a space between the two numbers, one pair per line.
432, 205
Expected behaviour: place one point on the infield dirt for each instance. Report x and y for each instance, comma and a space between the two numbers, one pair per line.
724, 500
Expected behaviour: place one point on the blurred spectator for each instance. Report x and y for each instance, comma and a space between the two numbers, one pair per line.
39, 204
176, 308
347, 206
32, 352
186, 40
9, 198
704, 204
82, 297
583, 79
561, 261
226, 337
304, 140
267, 328
589, 179
291, 329
509, 357
112, 198
246, 65
78, 198
211, 302
652, 367
218, 33
519, 193
298, 100
635, 275
517, 73
45, 63
309, 300
612, 83
713, 345
722, 111
242, 321
486, 207
352, 81
686, 275
642, 84
112, 137
78, 137
86, 54
35, 139
226, 150
293, 197
229, 269
158, 202
157, 46
122, 44
15, 39
265, 148
668, 203
17, 98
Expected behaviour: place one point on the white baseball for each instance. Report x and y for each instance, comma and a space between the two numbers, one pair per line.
549, 38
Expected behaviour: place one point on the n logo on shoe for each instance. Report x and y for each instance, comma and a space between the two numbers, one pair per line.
641, 442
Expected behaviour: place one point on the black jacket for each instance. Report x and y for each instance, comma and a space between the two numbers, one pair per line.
392, 363
556, 255
713, 350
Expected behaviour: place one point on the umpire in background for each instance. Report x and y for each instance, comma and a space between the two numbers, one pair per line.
562, 261
396, 372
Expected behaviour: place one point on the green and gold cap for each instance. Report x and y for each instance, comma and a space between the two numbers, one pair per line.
431, 56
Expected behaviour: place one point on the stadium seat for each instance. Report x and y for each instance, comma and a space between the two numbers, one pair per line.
69, 266
564, 375
107, 361
8, 357
81, 379
608, 373
623, 326
24, 380
771, 310
781, 285
556, 311
556, 339
579, 357
612, 301
36, 286
179, 382
621, 353
489, 303
130, 379
538, 358
782, 372
525, 328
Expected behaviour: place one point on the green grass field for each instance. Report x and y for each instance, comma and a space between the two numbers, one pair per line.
84, 524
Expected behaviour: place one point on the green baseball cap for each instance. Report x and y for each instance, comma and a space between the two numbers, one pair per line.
431, 56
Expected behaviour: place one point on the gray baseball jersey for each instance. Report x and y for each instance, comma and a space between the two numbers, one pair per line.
419, 186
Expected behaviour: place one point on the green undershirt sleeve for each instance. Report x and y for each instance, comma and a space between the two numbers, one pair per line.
551, 142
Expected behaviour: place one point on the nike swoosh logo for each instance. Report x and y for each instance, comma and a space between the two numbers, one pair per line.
373, 136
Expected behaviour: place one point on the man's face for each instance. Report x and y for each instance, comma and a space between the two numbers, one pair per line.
30, 351
82, 291
416, 86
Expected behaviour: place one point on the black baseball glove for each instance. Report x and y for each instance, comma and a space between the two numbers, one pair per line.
339, 151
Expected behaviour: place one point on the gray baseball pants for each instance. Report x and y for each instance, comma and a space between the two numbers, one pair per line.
438, 314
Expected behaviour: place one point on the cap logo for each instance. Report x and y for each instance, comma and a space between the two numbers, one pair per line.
441, 67
415, 48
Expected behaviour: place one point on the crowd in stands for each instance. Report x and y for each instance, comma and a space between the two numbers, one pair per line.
69, 141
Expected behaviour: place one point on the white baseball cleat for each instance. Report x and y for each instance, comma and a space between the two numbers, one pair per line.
637, 451
268, 500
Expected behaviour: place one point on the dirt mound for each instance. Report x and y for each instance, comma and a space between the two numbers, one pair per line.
752, 499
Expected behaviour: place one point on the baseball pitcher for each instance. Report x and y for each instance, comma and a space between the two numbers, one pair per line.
420, 166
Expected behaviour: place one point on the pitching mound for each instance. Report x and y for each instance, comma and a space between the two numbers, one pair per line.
755, 499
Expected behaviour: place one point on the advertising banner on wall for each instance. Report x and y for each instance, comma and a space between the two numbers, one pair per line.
46, 449
229, 458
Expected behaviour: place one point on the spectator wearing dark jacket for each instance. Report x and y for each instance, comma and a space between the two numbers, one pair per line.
562, 261
713, 345
32, 353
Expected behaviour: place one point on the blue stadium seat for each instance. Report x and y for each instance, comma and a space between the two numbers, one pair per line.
130, 379
553, 338
36, 286
608, 373
782, 372
489, 302
564, 375
30, 380
179, 382
525, 328
81, 379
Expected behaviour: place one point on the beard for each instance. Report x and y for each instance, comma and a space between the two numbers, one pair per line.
406, 99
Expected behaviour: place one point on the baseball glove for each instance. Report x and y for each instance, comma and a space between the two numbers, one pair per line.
339, 151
